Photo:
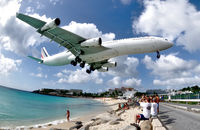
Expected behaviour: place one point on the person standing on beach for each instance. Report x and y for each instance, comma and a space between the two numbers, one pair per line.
154, 107
68, 114
157, 101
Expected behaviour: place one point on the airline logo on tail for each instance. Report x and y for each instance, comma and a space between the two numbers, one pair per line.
44, 53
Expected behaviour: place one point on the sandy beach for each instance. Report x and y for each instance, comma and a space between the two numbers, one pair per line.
108, 121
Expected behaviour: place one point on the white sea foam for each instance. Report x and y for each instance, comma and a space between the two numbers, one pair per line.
44, 125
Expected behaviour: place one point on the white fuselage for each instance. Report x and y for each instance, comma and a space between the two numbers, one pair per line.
114, 48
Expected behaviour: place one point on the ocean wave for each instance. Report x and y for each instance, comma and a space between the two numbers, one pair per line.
4, 115
44, 125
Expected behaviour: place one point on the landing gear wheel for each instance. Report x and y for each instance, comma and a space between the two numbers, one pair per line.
158, 54
82, 64
74, 63
92, 68
88, 71
78, 59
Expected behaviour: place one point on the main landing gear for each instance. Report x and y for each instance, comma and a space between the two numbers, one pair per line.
82, 64
77, 60
90, 69
158, 54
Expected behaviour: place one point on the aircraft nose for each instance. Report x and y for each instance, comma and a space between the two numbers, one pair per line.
168, 43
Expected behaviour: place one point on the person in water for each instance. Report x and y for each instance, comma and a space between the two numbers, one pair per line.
68, 114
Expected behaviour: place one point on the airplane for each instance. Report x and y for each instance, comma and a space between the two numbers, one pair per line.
91, 51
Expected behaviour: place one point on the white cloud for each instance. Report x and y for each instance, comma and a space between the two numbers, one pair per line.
39, 5
39, 75
126, 66
15, 35
172, 71
88, 30
126, 2
8, 65
11, 5
178, 82
117, 81
78, 76
170, 66
132, 82
174, 19
29, 10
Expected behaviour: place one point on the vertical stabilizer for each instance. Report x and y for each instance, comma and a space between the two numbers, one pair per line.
44, 53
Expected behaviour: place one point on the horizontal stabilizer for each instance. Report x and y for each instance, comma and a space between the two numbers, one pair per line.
39, 60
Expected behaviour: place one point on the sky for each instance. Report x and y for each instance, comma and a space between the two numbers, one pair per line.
176, 20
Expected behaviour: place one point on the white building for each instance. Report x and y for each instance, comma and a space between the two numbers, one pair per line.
129, 94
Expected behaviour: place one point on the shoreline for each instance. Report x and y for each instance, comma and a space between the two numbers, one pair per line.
109, 105
54, 122
62, 122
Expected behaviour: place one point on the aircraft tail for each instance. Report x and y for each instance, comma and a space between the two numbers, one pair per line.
44, 53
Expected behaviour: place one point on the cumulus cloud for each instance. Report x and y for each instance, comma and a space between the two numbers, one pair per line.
126, 66
118, 82
174, 19
15, 35
88, 30
172, 71
8, 65
78, 76
178, 82
132, 82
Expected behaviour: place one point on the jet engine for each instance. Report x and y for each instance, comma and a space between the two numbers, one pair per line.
51, 24
103, 69
110, 64
94, 42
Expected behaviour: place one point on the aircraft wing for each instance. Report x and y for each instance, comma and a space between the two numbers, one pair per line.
65, 38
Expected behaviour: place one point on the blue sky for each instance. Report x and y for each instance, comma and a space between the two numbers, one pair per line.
177, 20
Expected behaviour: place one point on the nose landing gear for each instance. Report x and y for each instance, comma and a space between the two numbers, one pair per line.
158, 54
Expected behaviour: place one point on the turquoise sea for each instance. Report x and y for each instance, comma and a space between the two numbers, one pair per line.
21, 108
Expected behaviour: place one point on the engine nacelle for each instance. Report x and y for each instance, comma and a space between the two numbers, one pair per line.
51, 24
110, 64
103, 69
94, 42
